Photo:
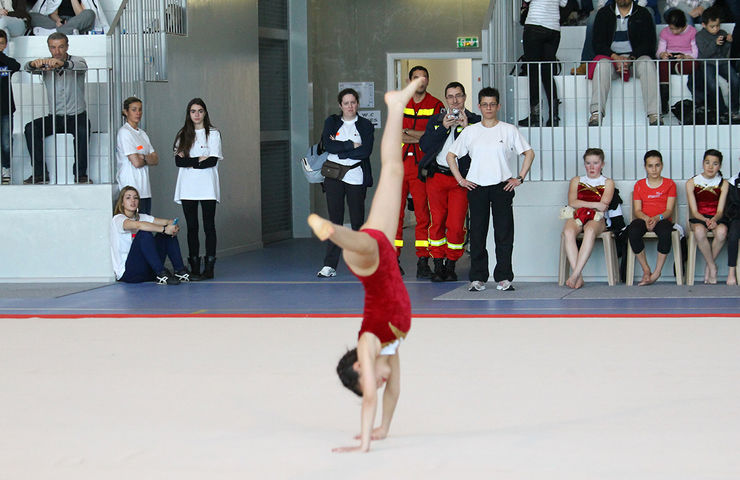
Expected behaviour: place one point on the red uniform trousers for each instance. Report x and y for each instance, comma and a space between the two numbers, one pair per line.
448, 204
418, 189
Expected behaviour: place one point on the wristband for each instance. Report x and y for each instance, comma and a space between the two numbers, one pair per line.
164, 228
660, 217
520, 178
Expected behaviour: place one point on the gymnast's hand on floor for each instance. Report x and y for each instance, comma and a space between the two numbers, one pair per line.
356, 448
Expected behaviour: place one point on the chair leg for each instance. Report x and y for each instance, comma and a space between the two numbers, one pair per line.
610, 255
677, 257
563, 267
691, 262
630, 272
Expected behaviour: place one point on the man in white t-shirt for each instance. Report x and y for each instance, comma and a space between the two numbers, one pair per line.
493, 145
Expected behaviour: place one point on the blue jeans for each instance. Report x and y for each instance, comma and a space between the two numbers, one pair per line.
5, 139
147, 255
707, 74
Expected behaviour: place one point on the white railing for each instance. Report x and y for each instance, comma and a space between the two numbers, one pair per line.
625, 133
139, 32
83, 147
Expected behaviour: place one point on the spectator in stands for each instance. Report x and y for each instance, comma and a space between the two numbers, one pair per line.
714, 44
64, 79
134, 154
706, 194
349, 140
197, 152
589, 197
693, 9
732, 213
14, 18
64, 16
653, 200
493, 146
677, 45
624, 39
541, 39
8, 66
140, 243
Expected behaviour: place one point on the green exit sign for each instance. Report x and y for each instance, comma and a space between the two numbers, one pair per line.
467, 42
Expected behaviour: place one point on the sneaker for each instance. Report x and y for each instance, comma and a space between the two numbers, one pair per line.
183, 276
327, 272
735, 117
655, 119
165, 277
594, 120
504, 285
6, 175
476, 286
43, 32
36, 180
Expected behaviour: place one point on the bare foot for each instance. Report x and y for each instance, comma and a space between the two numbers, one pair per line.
574, 282
401, 97
321, 227
580, 281
731, 280
645, 280
712, 279
706, 273
651, 279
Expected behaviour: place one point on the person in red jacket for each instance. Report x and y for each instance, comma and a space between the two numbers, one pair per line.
369, 253
419, 110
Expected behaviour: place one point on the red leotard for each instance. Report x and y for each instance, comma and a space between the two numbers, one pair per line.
387, 312
706, 192
589, 190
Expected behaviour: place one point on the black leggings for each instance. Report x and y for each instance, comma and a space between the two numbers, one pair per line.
733, 236
190, 209
662, 229
541, 44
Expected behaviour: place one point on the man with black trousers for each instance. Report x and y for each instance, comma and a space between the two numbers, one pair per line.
493, 146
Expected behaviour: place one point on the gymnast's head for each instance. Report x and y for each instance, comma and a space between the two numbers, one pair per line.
348, 373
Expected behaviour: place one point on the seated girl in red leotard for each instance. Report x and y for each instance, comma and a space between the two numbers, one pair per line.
706, 194
589, 196
369, 253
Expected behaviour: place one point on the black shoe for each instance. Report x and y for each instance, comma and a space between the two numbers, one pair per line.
34, 180
450, 271
183, 276
422, 268
400, 268
194, 263
208, 269
440, 272
553, 122
664, 97
165, 277
530, 121
83, 179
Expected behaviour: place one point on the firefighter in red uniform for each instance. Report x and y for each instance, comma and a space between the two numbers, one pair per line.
417, 113
448, 201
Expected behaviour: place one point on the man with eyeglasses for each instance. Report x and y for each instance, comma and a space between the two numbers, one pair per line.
493, 146
448, 201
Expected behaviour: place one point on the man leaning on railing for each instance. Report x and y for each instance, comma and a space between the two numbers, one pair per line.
64, 79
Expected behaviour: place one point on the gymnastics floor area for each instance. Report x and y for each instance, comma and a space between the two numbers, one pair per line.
234, 379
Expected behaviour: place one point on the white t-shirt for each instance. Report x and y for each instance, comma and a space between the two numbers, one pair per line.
197, 183
442, 155
120, 241
348, 131
492, 150
131, 141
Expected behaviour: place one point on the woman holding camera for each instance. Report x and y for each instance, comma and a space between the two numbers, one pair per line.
349, 140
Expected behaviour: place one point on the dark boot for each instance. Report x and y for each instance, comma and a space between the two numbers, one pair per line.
440, 272
664, 97
208, 270
450, 269
422, 268
533, 120
400, 268
195, 268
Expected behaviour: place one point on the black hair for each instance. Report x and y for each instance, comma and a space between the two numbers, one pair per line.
127, 103
652, 153
186, 136
455, 85
348, 91
714, 153
489, 92
3, 34
418, 67
710, 14
676, 18
594, 151
347, 374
